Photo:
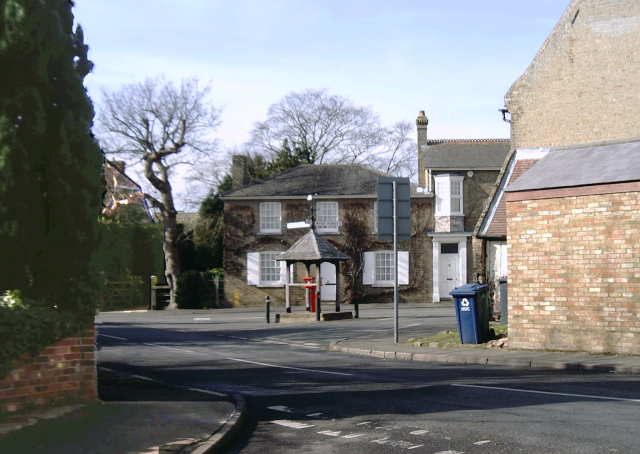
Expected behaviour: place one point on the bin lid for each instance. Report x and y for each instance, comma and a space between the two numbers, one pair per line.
502, 280
467, 290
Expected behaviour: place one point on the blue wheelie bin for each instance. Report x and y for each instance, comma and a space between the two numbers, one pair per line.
472, 312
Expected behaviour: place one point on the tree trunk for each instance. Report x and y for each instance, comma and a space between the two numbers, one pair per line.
171, 257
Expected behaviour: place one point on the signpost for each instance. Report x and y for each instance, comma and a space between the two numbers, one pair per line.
394, 223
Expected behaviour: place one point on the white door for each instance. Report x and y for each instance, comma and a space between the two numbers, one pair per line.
328, 287
497, 264
448, 274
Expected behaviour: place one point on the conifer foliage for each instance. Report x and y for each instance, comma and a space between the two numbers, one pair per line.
50, 165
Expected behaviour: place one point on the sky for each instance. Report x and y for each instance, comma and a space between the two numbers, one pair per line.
453, 59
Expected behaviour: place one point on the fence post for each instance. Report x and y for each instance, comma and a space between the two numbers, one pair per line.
267, 304
154, 300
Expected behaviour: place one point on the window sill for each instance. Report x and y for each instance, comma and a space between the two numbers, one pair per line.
328, 232
270, 285
270, 233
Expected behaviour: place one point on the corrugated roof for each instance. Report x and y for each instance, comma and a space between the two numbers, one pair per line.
316, 179
592, 165
312, 247
465, 154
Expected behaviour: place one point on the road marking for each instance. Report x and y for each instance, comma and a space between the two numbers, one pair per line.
168, 348
144, 378
450, 452
287, 367
330, 433
282, 408
202, 319
113, 337
313, 415
353, 435
414, 447
415, 324
292, 424
363, 423
483, 442
308, 344
419, 432
582, 396
104, 368
206, 391
381, 441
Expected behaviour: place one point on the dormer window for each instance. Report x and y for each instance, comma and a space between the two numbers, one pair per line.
449, 195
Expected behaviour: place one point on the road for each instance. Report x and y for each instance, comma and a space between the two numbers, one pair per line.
305, 399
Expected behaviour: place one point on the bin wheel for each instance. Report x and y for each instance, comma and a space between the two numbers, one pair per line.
492, 333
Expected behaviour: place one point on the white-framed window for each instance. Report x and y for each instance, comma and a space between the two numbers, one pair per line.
270, 217
449, 195
378, 268
327, 216
264, 270
375, 217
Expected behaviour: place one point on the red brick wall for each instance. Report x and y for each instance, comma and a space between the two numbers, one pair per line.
574, 272
64, 371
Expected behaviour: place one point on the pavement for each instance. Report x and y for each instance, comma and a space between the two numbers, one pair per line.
180, 420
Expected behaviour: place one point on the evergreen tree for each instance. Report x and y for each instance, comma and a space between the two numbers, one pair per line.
50, 165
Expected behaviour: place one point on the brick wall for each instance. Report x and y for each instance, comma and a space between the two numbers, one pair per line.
583, 85
574, 279
64, 371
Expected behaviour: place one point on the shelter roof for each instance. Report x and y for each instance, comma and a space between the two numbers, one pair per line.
312, 247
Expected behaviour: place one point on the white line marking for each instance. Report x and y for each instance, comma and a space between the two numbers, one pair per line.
310, 344
414, 447
113, 337
282, 408
330, 433
313, 415
287, 367
144, 378
353, 435
381, 441
363, 423
419, 432
202, 319
483, 442
415, 324
206, 391
168, 348
450, 452
583, 396
292, 424
104, 368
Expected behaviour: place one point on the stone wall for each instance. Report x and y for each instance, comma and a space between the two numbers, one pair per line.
64, 371
583, 85
573, 272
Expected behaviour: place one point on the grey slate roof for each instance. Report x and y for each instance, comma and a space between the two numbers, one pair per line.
465, 154
312, 247
316, 179
563, 168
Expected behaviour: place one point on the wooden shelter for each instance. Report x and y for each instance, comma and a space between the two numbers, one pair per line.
312, 249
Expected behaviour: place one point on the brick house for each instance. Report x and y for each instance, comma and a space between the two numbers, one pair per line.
573, 218
461, 174
345, 203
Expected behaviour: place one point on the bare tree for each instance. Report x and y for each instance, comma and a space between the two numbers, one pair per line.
398, 152
160, 127
337, 131
332, 126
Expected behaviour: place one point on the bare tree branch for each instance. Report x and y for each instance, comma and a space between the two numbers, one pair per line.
161, 127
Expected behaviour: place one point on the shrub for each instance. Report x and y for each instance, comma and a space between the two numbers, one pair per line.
191, 288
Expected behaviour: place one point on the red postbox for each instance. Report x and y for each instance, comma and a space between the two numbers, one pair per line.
309, 284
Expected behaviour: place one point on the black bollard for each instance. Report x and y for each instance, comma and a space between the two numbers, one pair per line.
267, 304
355, 304
318, 307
